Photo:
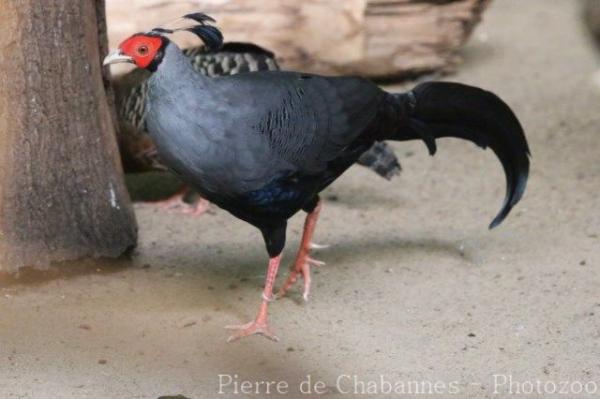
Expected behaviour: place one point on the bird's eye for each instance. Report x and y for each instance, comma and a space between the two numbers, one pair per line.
142, 50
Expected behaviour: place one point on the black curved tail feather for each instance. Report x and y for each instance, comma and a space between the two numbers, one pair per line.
443, 109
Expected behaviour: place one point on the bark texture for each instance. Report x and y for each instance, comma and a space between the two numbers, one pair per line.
377, 38
62, 194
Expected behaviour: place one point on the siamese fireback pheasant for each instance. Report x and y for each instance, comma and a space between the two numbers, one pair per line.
263, 145
138, 151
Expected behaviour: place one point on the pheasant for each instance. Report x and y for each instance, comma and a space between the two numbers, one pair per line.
264, 145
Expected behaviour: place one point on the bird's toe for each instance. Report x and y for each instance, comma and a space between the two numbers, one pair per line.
252, 328
315, 246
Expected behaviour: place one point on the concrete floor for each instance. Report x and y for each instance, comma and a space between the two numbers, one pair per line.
415, 288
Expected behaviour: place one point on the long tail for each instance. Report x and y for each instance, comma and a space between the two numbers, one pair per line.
442, 109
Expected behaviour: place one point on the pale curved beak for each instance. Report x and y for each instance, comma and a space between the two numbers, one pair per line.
117, 58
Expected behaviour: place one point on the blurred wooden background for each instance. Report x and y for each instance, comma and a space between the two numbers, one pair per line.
376, 38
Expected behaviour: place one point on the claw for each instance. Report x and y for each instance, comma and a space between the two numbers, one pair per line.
314, 262
306, 291
316, 246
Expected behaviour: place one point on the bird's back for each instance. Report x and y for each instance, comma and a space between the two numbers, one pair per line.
235, 135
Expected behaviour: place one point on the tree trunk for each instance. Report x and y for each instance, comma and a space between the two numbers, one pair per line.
377, 38
62, 194
591, 15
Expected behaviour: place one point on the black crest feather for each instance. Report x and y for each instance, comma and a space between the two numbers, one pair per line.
199, 17
210, 35
163, 30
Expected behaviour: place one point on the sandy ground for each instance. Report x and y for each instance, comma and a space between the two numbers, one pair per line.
415, 287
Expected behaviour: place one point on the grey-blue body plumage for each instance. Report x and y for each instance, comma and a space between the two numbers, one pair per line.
263, 145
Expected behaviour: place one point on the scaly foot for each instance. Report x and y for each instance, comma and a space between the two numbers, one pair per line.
303, 260
260, 325
302, 268
252, 328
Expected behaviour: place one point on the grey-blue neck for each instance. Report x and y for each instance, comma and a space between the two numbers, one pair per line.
175, 70
184, 121
177, 104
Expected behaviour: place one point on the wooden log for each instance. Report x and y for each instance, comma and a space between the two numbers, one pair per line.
62, 194
377, 38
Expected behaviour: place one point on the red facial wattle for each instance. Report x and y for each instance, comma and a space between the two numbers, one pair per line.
142, 49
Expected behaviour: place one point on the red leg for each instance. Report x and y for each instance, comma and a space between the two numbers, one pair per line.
260, 325
303, 260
